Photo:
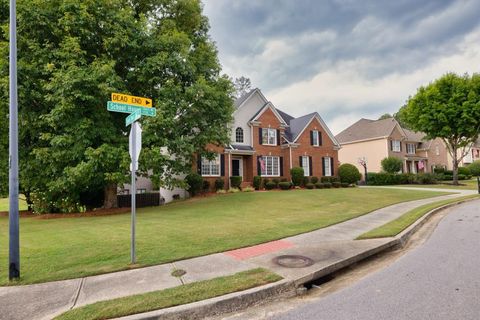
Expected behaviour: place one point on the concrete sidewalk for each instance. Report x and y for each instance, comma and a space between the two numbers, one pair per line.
326, 248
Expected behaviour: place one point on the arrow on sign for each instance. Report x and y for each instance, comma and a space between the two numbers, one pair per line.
132, 118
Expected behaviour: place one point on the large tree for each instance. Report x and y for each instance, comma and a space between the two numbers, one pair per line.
448, 108
72, 55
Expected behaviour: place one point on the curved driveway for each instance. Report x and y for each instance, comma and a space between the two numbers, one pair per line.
439, 280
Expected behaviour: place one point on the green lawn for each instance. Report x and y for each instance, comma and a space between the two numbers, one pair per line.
464, 185
53, 249
396, 226
171, 297
4, 204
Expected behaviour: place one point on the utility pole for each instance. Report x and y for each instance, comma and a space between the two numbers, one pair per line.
13, 221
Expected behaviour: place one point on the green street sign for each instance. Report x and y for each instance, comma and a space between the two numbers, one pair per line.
132, 118
127, 108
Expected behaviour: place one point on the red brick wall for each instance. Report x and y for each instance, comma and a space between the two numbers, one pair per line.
317, 153
211, 180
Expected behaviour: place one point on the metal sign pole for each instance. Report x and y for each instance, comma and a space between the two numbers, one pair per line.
134, 189
13, 223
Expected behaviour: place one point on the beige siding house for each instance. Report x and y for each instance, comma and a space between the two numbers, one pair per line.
375, 140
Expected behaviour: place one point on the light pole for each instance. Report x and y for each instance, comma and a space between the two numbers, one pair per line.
13, 221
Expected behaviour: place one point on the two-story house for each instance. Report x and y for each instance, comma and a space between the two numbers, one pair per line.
375, 140
267, 142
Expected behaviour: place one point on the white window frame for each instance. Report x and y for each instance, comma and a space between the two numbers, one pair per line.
271, 137
211, 168
271, 163
306, 166
327, 162
316, 138
437, 150
411, 149
396, 145
237, 135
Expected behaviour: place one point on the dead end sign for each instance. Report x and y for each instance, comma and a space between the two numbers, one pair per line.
132, 100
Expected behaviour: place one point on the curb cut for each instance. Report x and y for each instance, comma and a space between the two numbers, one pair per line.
284, 288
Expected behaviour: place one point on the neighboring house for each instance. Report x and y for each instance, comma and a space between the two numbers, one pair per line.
473, 154
267, 142
375, 140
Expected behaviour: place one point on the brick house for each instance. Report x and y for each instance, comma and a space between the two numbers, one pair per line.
267, 142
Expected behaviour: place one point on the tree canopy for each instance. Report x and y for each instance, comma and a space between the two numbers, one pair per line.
72, 56
448, 108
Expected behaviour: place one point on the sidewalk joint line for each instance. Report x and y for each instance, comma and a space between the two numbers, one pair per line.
181, 277
77, 295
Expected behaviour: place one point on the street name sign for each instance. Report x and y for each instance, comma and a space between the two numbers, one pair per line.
132, 118
126, 108
133, 100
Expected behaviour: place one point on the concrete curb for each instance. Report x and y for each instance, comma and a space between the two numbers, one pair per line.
283, 289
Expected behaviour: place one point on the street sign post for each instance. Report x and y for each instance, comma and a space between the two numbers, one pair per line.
136, 107
132, 100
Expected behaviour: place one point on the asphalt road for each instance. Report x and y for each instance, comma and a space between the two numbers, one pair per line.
439, 280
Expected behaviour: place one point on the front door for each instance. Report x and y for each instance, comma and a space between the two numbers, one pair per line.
236, 167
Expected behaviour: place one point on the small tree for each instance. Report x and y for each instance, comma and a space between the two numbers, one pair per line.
475, 170
449, 109
297, 176
349, 173
194, 182
391, 164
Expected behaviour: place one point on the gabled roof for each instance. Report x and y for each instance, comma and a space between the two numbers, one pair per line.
241, 100
365, 129
274, 110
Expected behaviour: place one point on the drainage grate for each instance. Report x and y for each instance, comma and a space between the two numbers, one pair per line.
178, 273
293, 261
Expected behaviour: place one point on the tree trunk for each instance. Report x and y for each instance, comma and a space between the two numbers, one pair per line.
455, 170
110, 196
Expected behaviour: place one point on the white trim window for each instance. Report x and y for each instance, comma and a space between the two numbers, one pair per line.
211, 168
396, 146
271, 166
327, 165
306, 165
315, 138
239, 135
437, 150
411, 148
269, 136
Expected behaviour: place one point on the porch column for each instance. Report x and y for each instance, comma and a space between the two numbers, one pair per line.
229, 169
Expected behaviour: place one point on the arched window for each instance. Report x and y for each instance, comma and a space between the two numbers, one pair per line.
239, 135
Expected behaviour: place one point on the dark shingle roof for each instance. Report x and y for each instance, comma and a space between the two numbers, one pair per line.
296, 126
241, 147
242, 99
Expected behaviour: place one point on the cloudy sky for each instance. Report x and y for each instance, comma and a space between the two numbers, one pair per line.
346, 59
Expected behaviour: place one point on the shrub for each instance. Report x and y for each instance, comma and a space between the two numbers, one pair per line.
219, 184
438, 169
257, 182
426, 178
248, 189
392, 164
205, 186
319, 185
349, 173
406, 178
336, 184
270, 185
345, 184
221, 191
235, 182
194, 182
327, 185
309, 185
276, 181
313, 180
329, 179
284, 180
233, 190
305, 181
464, 170
382, 178
461, 177
297, 176
474, 168
285, 185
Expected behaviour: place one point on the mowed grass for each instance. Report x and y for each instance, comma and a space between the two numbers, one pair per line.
171, 297
54, 249
4, 204
396, 226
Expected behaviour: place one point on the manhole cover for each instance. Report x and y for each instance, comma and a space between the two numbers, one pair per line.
178, 273
293, 261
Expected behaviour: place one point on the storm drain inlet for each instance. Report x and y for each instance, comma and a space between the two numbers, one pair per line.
293, 261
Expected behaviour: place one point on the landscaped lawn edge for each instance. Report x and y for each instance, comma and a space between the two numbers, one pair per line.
161, 299
395, 227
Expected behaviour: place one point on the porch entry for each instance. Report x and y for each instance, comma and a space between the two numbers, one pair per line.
416, 166
237, 167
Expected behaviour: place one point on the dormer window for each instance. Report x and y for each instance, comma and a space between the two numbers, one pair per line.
239, 135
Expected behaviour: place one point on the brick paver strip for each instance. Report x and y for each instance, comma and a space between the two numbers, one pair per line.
245, 253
